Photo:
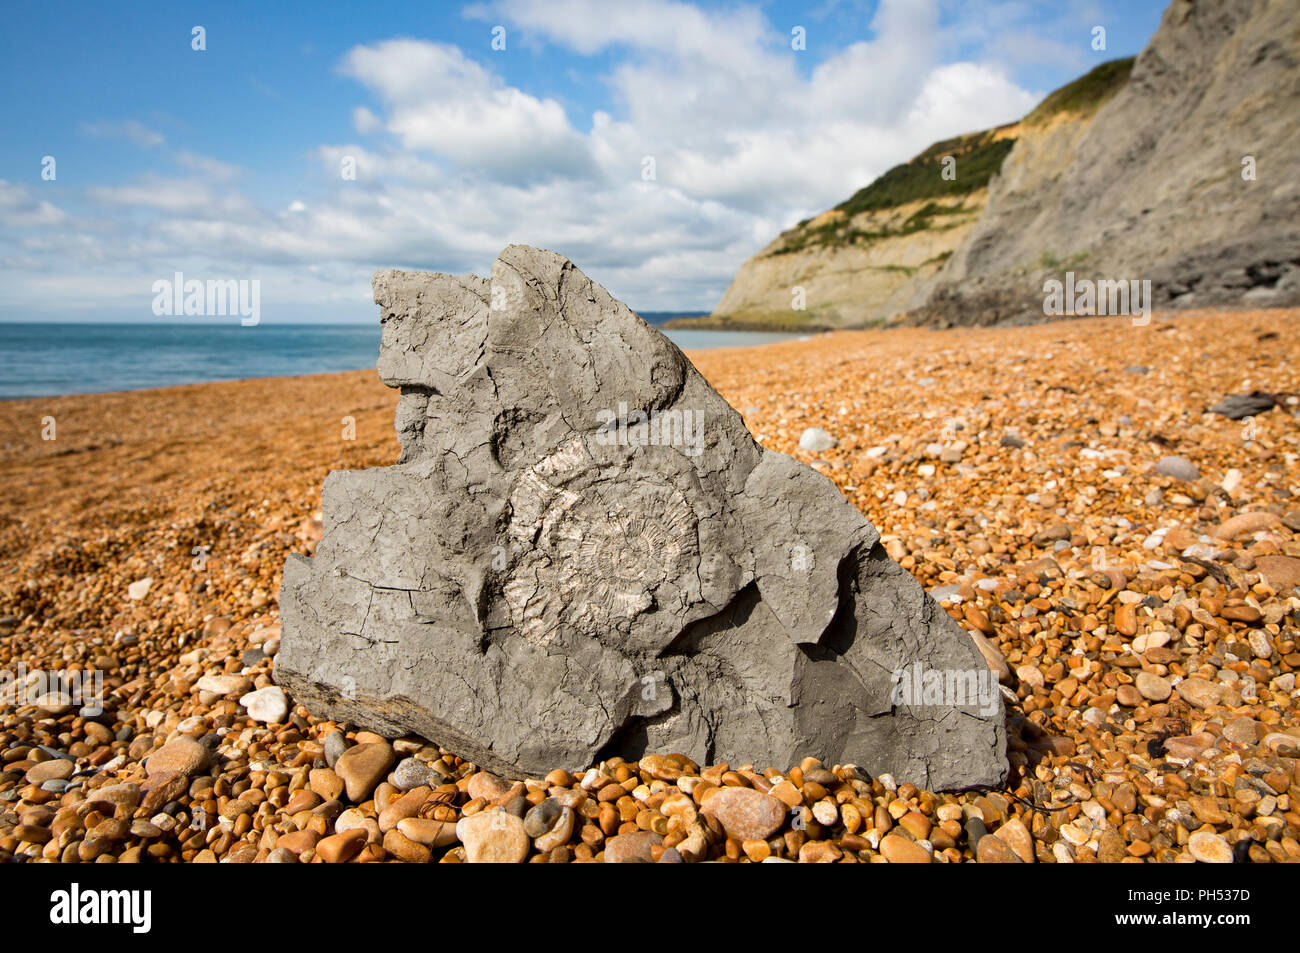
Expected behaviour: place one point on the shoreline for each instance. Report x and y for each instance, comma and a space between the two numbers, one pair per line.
176, 387
211, 361
804, 332
710, 323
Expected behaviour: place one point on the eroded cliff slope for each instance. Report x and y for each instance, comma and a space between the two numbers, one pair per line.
1181, 167
1189, 177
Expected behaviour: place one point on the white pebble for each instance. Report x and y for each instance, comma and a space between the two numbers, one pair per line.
268, 705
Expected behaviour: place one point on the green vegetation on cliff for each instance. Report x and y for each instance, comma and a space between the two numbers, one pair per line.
843, 232
940, 190
977, 156
1086, 94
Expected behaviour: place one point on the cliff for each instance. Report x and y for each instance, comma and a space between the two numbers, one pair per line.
863, 260
1189, 176
1181, 167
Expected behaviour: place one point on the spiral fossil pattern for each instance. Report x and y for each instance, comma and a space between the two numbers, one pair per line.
594, 551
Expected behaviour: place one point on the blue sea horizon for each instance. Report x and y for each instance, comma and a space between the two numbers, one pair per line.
47, 359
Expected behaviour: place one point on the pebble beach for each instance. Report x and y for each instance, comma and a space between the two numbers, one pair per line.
1127, 561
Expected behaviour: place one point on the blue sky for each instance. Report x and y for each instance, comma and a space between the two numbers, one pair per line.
227, 163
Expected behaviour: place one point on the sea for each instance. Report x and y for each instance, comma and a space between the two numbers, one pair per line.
52, 358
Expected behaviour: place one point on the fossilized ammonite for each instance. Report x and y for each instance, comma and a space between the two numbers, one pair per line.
533, 588
600, 553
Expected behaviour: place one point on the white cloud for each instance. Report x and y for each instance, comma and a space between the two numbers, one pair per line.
730, 113
206, 165
453, 162
365, 121
441, 102
376, 169
187, 197
681, 31
130, 130
19, 209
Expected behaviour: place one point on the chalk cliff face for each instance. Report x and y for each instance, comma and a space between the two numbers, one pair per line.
1184, 171
865, 259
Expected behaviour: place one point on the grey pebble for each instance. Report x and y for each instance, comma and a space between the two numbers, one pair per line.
542, 818
335, 745
411, 773
1180, 468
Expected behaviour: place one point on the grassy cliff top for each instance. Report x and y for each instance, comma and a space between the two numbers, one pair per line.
840, 230
978, 156
1086, 94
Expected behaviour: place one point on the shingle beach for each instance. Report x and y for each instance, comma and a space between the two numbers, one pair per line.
1127, 559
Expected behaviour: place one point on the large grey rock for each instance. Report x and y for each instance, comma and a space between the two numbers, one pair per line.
582, 552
